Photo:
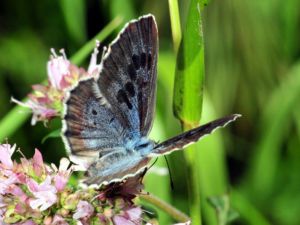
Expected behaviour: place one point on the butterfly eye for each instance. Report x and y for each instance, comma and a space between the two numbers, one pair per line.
94, 112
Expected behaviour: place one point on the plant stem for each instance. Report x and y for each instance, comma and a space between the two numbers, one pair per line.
14, 119
175, 213
175, 23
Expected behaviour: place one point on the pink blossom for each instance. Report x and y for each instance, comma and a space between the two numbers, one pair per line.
62, 177
129, 217
28, 222
46, 101
58, 220
58, 68
38, 163
6, 152
40, 112
17, 191
6, 182
84, 209
94, 68
44, 193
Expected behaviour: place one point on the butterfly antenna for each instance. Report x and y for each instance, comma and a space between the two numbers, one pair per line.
152, 164
171, 180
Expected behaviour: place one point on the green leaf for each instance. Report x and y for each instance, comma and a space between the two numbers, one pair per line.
53, 134
189, 77
222, 207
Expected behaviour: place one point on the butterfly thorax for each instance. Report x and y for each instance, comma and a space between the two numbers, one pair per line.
142, 146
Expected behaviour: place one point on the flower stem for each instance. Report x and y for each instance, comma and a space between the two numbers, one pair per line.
18, 114
175, 213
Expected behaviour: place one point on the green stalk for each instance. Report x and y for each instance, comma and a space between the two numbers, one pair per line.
175, 23
188, 95
173, 212
15, 118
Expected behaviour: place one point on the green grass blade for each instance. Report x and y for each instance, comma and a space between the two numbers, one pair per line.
85, 51
119, 9
246, 210
188, 95
74, 14
14, 119
211, 163
274, 123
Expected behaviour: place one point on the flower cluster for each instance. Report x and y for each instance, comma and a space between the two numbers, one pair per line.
32, 192
45, 101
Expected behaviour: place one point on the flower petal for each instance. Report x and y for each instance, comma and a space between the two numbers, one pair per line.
6, 152
84, 209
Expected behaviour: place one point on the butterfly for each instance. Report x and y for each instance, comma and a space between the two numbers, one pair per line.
107, 119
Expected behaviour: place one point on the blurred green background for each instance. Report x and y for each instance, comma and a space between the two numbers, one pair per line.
252, 67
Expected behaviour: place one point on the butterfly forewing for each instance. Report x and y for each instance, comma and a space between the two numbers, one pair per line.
183, 140
128, 78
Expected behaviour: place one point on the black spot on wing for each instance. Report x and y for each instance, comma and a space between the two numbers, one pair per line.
94, 112
123, 98
140, 104
130, 89
132, 72
111, 120
143, 60
136, 61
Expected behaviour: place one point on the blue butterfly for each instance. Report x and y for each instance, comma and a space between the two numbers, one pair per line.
107, 119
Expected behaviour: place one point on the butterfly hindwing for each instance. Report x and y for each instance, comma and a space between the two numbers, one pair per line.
89, 124
183, 140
